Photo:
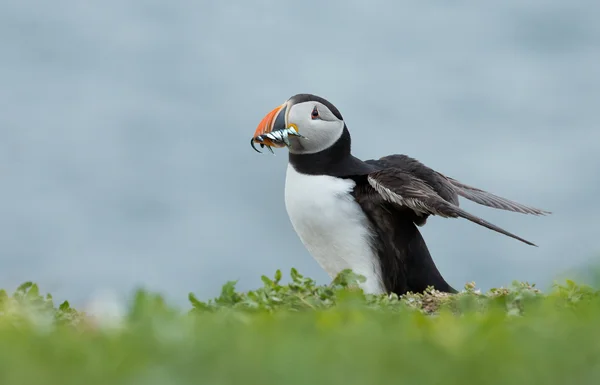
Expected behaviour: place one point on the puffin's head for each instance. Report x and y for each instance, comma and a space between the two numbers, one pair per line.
317, 123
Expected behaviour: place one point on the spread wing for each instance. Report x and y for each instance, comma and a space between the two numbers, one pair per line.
449, 188
407, 190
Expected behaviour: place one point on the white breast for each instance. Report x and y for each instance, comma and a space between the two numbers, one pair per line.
332, 226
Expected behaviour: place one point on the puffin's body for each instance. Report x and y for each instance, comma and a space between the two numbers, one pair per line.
363, 215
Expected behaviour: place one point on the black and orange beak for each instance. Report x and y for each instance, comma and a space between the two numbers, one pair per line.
273, 121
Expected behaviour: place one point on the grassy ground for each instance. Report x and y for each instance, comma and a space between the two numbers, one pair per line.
306, 334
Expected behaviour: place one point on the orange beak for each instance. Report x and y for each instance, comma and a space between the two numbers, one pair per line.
273, 121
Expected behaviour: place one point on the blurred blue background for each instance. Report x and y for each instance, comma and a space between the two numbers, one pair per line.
124, 130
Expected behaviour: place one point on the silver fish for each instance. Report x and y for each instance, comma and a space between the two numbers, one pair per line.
279, 136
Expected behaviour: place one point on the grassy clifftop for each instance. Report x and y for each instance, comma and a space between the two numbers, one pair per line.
301, 333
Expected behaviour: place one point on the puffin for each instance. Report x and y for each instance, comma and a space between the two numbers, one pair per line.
364, 215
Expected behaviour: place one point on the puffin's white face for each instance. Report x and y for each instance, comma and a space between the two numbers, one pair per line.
318, 126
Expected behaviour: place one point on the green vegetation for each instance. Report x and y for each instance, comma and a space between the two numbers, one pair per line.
301, 333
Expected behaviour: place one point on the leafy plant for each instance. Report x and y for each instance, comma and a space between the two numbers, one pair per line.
304, 333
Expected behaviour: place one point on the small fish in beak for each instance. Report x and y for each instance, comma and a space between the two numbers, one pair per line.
277, 138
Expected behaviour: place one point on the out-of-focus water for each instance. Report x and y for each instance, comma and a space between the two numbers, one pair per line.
124, 130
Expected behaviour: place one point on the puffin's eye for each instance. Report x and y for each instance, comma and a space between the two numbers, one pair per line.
315, 113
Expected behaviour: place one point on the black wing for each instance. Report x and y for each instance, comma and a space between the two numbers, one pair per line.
449, 188
413, 167
407, 190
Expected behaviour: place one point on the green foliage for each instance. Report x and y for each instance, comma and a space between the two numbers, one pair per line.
304, 333
28, 307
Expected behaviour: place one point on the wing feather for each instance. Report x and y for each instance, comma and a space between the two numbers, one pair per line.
450, 189
403, 189
491, 200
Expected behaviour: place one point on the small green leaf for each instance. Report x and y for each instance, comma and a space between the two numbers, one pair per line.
64, 306
266, 281
277, 276
24, 287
